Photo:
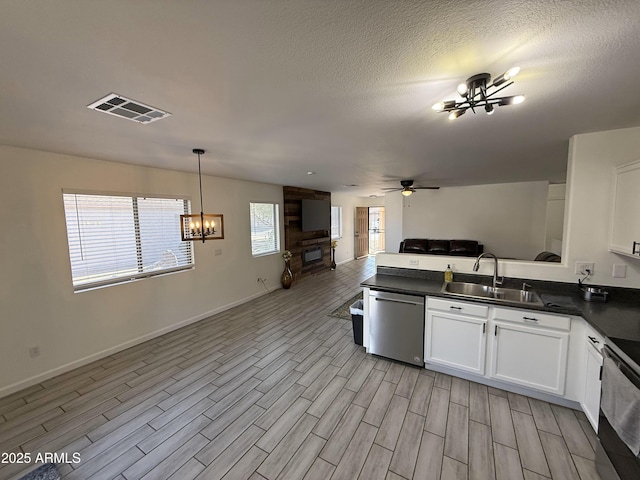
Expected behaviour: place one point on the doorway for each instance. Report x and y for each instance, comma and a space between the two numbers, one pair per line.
376, 230
369, 231
362, 232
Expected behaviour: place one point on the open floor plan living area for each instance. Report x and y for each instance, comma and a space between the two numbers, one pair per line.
277, 389
319, 240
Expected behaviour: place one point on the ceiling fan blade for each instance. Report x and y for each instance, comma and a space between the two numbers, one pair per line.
408, 186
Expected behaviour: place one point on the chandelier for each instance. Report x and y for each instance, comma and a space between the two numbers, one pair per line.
201, 226
478, 92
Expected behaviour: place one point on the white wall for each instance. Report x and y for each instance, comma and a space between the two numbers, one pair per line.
590, 201
346, 244
507, 218
37, 302
589, 194
555, 218
394, 213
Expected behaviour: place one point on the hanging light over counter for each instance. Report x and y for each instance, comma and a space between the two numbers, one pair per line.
202, 226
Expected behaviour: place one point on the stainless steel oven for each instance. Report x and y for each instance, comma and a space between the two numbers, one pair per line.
620, 387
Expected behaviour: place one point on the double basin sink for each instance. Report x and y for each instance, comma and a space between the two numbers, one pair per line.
503, 295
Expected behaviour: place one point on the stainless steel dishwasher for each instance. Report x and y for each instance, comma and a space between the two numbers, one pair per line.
396, 326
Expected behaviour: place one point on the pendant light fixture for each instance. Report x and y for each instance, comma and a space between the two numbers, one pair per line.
478, 91
204, 226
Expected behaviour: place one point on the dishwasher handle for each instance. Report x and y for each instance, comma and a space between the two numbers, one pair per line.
379, 299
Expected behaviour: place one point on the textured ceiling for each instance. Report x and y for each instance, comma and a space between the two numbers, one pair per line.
275, 88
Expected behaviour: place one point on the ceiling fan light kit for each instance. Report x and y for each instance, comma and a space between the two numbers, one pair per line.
408, 188
478, 91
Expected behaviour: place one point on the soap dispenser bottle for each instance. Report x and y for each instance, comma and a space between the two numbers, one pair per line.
448, 274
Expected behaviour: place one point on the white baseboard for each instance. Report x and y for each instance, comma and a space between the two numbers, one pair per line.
15, 387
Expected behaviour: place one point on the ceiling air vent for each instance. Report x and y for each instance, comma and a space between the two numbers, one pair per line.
124, 107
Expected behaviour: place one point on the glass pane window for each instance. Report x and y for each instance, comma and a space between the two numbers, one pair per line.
113, 238
336, 222
265, 230
376, 230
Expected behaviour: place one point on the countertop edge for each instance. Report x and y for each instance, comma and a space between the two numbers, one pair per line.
594, 313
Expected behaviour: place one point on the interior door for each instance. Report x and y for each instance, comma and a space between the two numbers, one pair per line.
362, 232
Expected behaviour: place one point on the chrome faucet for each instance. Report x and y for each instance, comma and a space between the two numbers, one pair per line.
476, 266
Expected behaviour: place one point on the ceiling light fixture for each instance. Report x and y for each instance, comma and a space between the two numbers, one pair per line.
407, 188
478, 91
456, 113
201, 226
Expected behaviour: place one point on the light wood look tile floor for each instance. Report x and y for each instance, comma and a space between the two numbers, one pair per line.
276, 389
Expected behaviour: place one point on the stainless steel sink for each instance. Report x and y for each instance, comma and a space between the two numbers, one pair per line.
506, 295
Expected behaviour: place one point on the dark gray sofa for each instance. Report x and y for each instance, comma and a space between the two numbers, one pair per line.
425, 246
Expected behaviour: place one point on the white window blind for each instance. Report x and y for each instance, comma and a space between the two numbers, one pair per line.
265, 231
336, 222
113, 239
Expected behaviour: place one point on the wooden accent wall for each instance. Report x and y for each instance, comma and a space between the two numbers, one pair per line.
296, 240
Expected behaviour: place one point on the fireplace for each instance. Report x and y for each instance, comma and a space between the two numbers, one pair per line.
312, 255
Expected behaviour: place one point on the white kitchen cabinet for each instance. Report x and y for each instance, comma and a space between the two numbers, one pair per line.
625, 226
455, 334
530, 349
590, 401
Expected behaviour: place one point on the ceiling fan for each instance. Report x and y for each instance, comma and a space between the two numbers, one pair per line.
408, 188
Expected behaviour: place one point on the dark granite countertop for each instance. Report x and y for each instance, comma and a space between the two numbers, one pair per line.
619, 317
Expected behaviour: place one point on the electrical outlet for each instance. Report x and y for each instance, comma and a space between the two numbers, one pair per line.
414, 262
582, 267
34, 351
217, 252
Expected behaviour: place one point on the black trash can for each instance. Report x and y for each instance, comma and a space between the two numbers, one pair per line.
357, 314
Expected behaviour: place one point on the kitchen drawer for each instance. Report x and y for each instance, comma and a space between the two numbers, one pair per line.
533, 318
462, 308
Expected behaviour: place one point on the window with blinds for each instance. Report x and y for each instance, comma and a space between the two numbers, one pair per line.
265, 232
114, 239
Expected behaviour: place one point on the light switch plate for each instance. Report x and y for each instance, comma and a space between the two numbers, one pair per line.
619, 270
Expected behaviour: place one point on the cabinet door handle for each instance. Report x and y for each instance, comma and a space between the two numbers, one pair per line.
495, 331
484, 328
593, 339
456, 308
531, 319
633, 249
